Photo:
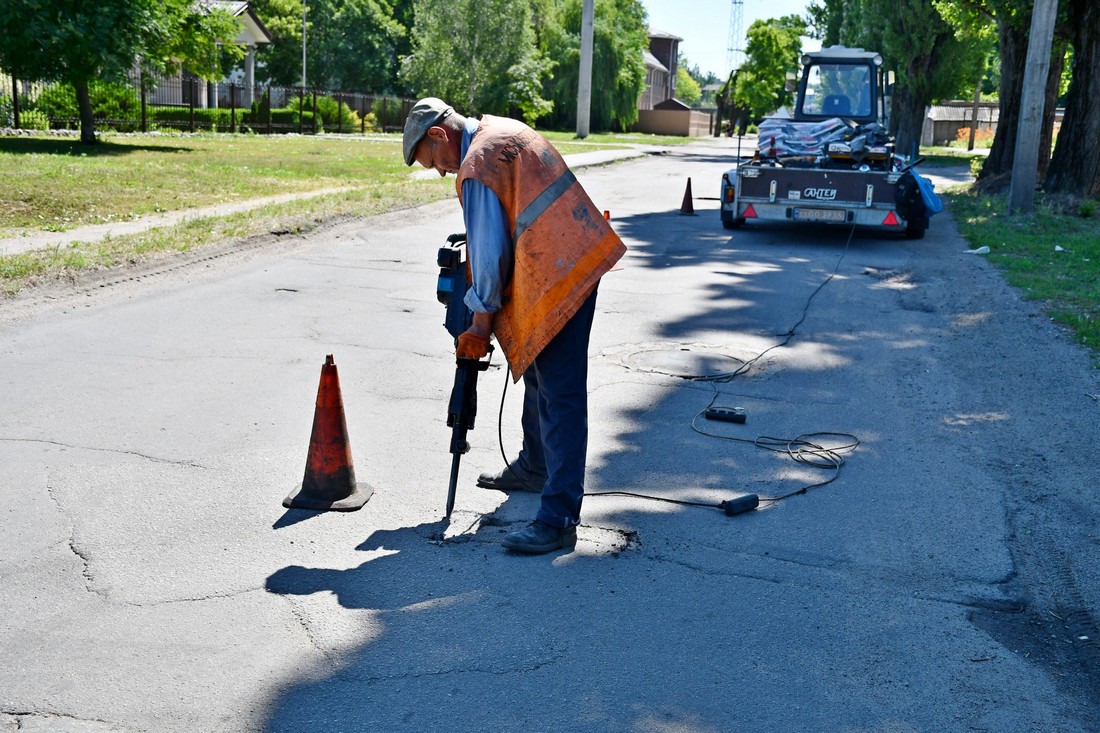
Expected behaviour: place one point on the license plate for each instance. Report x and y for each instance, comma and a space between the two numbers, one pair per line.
830, 215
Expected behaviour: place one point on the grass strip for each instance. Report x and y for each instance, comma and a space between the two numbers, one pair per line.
1051, 256
297, 217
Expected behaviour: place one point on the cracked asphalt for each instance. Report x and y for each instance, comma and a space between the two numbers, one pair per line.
946, 580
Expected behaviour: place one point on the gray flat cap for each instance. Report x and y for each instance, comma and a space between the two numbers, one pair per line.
426, 113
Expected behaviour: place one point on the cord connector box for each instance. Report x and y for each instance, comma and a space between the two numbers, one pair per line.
725, 414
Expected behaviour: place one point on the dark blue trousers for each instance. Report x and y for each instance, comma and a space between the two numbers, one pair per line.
555, 419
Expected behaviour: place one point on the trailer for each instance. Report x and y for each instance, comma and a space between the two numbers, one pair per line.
833, 162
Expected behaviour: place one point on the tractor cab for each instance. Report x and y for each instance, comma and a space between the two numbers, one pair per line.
848, 83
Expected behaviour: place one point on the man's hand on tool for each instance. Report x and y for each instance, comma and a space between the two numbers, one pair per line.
472, 346
474, 342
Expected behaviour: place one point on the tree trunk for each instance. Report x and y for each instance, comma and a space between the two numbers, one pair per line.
997, 170
1050, 105
87, 122
1075, 167
907, 118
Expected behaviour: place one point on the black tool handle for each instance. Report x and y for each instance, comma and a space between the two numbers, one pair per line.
461, 412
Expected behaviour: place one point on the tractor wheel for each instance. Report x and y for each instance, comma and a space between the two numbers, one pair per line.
916, 228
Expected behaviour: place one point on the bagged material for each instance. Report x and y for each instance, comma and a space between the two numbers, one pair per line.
779, 138
932, 202
915, 197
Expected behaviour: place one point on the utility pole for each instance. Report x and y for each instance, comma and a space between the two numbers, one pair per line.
304, 43
1021, 196
584, 81
976, 108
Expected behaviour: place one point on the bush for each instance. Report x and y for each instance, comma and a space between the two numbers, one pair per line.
57, 101
180, 118
388, 113
976, 164
334, 115
33, 120
7, 111
282, 120
114, 105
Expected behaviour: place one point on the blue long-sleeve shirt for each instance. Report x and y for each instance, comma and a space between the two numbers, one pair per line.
489, 243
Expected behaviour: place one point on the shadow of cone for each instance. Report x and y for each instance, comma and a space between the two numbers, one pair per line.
329, 482
686, 208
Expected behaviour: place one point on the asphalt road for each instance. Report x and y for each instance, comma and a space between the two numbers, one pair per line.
948, 579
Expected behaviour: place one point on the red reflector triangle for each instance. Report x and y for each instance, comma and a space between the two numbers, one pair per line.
750, 213
891, 220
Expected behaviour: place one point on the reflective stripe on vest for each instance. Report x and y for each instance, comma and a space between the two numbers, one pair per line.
536, 208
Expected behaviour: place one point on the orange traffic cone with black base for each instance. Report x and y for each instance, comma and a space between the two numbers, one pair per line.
329, 482
687, 208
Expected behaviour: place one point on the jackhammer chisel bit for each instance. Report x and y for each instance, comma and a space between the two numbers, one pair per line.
460, 417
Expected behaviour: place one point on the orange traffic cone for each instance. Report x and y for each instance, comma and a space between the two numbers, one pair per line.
329, 482
686, 208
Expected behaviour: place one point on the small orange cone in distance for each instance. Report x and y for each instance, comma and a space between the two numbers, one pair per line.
686, 208
329, 482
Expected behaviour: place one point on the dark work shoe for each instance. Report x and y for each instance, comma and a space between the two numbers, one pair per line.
512, 478
538, 537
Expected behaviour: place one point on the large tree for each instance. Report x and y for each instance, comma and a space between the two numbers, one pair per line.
825, 21
280, 62
354, 44
620, 36
480, 55
932, 59
1012, 21
77, 42
772, 55
688, 90
350, 44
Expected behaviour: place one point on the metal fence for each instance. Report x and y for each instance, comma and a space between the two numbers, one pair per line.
185, 103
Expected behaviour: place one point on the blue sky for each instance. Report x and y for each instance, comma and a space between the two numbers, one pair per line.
704, 25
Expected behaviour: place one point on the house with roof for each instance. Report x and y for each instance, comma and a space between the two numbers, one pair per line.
659, 111
252, 34
661, 64
185, 89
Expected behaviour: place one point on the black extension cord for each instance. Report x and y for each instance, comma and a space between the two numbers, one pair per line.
799, 449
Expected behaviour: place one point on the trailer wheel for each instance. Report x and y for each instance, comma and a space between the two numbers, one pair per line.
733, 223
915, 229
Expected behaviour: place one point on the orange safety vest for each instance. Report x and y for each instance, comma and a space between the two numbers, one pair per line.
563, 245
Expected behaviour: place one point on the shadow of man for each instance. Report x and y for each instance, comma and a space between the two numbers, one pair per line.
431, 607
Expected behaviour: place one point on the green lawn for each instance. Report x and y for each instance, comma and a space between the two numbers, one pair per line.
55, 184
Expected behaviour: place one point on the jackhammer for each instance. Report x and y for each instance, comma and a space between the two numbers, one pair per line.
462, 408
